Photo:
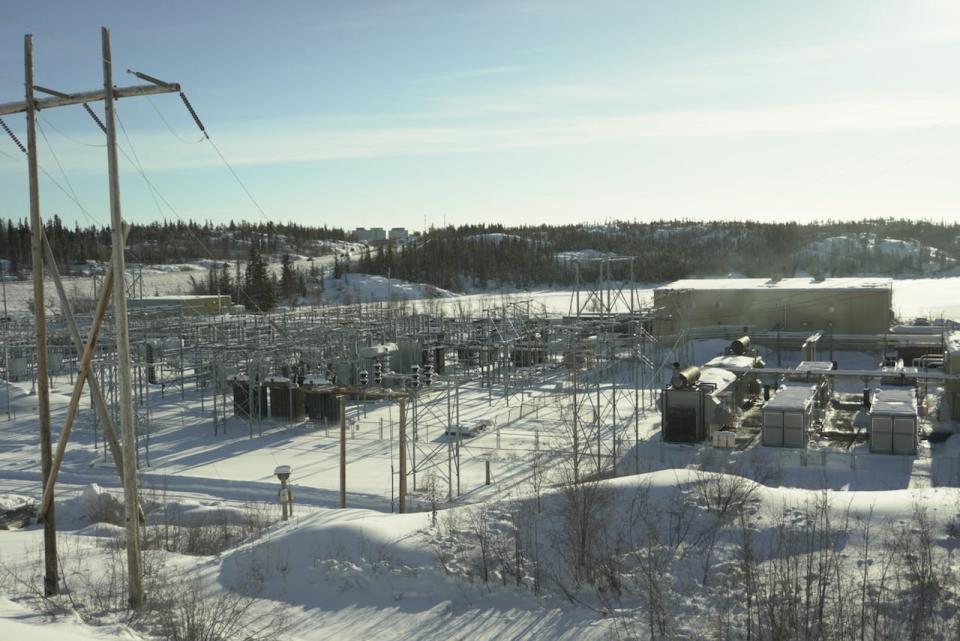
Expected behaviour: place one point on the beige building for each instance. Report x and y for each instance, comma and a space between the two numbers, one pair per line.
189, 305
840, 305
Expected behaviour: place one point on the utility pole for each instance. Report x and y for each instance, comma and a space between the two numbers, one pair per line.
403, 456
343, 451
134, 570
51, 574
31, 106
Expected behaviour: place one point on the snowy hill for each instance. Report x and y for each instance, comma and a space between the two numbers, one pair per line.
364, 288
869, 251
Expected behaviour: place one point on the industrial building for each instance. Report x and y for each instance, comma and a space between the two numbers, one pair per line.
838, 305
188, 305
373, 234
893, 421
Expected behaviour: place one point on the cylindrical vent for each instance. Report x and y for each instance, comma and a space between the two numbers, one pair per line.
866, 398
739, 346
686, 377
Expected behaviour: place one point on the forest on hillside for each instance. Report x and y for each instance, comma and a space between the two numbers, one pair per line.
485, 256
480, 257
163, 242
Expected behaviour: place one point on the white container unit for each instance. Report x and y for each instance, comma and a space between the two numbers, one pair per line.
893, 421
788, 416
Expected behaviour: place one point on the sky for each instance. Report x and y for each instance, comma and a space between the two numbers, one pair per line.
425, 113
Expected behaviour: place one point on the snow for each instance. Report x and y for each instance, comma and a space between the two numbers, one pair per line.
730, 360
365, 572
784, 283
894, 401
356, 287
10, 502
496, 238
792, 396
867, 242
583, 254
19, 622
717, 376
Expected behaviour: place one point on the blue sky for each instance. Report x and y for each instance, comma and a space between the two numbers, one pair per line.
413, 113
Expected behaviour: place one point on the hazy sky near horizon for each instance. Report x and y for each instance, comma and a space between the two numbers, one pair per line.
531, 111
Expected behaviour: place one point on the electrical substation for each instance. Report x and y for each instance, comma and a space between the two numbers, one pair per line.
593, 389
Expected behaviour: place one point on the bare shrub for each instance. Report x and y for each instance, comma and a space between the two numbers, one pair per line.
182, 609
209, 536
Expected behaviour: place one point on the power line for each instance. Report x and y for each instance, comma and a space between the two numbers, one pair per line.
223, 158
170, 128
68, 137
154, 190
56, 160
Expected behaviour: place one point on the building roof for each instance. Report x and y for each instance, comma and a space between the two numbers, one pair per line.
720, 377
731, 360
792, 396
174, 298
901, 401
815, 366
782, 284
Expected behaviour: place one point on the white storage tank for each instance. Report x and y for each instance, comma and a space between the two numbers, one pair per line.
893, 421
788, 415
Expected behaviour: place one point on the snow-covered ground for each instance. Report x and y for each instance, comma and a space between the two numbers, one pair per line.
355, 288
866, 243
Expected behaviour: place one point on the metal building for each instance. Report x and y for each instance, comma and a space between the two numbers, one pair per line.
788, 416
696, 403
841, 305
893, 421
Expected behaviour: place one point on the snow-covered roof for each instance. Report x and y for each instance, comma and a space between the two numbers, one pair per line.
953, 342
717, 376
375, 351
782, 284
791, 396
899, 401
730, 360
276, 379
180, 297
814, 366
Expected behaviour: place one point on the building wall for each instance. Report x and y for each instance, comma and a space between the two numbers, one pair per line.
858, 310
190, 305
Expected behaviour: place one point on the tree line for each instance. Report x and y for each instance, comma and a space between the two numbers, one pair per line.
491, 256
162, 242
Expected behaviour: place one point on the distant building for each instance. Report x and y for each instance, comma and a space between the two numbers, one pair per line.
840, 305
186, 304
371, 235
398, 233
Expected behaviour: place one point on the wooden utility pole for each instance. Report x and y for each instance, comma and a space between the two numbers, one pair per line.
125, 387
403, 456
31, 106
99, 403
343, 451
83, 372
51, 573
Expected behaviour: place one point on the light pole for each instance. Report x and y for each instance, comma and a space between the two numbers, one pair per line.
285, 494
